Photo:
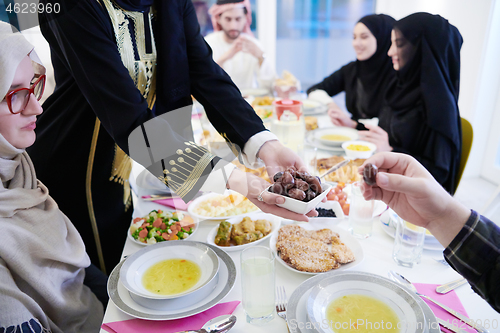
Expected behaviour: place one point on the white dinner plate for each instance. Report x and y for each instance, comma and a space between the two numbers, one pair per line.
207, 196
313, 107
311, 141
123, 301
275, 221
351, 133
345, 237
430, 242
296, 311
401, 301
255, 92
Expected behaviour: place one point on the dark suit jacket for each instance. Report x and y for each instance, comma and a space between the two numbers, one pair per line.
92, 83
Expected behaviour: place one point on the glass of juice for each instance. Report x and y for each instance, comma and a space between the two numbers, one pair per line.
360, 213
257, 284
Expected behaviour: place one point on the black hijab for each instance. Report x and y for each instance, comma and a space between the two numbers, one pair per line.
374, 72
429, 53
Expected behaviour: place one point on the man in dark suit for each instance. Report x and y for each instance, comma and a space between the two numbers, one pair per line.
125, 72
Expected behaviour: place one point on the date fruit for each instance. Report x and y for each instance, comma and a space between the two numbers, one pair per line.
370, 174
295, 184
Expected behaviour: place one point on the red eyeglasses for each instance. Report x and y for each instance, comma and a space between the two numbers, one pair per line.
18, 99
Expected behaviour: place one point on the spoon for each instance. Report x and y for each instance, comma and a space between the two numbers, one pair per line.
219, 324
406, 283
335, 168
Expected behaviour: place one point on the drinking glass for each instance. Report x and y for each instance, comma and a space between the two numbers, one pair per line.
360, 213
408, 243
257, 284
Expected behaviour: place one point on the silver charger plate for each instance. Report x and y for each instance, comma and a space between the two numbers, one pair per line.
121, 296
296, 314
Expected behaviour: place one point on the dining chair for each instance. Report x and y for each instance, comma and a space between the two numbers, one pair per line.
467, 136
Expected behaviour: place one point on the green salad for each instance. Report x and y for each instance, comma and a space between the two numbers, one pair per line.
159, 226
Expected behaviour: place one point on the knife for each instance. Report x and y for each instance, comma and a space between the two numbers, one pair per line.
335, 168
447, 287
460, 316
449, 326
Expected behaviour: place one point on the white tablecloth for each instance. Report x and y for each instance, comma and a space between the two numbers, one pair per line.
378, 260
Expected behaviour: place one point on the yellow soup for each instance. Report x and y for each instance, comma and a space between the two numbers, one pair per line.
358, 148
415, 228
335, 137
171, 277
361, 314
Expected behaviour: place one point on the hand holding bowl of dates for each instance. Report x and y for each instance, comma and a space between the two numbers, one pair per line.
302, 192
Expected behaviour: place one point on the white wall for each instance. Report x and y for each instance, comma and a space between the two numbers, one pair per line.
473, 20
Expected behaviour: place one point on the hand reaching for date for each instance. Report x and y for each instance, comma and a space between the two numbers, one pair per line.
411, 191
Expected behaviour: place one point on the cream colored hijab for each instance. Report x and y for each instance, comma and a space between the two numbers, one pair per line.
14, 48
42, 256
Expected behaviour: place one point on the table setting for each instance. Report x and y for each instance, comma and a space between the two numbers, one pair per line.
262, 273
373, 261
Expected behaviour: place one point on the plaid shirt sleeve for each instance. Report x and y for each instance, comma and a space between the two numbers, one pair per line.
475, 254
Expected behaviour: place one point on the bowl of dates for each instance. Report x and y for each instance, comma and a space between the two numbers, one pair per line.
302, 192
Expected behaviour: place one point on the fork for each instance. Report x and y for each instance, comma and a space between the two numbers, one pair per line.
281, 302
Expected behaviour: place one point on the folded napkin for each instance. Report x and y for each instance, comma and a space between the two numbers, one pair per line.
450, 299
170, 326
175, 203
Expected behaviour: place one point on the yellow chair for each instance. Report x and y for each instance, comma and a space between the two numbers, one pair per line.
467, 136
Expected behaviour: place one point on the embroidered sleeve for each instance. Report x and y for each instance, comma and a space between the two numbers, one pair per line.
165, 147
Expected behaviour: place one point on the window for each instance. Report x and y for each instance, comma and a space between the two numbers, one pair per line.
314, 37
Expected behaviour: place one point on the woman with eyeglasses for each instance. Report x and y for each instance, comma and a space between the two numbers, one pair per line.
42, 256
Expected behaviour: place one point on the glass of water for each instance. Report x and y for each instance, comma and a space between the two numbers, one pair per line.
408, 243
360, 213
257, 284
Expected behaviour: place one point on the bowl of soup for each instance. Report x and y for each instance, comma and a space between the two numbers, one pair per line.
359, 149
335, 136
364, 302
169, 270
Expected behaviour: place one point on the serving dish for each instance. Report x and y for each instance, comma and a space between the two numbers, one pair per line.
137, 264
301, 207
276, 222
359, 154
345, 237
192, 209
335, 207
184, 232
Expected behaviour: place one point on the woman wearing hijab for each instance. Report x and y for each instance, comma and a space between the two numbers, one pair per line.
364, 80
42, 256
125, 73
421, 117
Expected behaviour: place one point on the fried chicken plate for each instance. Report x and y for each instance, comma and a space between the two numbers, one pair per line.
312, 251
